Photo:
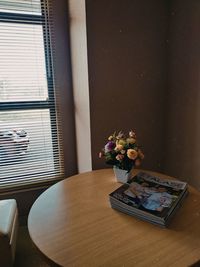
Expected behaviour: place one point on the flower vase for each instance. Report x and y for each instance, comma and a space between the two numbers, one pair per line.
122, 176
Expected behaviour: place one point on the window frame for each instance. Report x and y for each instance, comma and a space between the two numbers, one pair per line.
49, 103
62, 77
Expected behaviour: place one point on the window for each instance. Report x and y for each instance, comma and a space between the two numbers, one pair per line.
30, 150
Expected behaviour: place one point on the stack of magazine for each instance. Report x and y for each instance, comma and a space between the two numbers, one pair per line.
149, 198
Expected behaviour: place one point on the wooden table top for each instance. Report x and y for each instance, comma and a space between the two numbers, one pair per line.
72, 224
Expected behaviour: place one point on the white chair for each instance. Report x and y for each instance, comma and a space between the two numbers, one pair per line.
8, 231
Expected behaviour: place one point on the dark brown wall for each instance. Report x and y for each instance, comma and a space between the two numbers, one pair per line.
127, 53
183, 146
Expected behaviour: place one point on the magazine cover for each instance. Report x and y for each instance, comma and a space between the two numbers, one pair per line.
149, 196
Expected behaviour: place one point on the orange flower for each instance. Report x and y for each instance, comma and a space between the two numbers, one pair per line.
119, 147
132, 154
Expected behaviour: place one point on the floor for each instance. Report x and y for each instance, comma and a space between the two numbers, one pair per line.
26, 253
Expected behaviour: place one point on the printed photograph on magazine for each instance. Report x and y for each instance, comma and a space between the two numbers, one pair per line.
152, 194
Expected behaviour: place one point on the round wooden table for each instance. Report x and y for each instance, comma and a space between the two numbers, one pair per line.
72, 224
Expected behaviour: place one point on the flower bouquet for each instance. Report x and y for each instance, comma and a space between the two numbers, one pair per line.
122, 151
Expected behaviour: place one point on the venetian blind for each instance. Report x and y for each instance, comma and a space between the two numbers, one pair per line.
30, 143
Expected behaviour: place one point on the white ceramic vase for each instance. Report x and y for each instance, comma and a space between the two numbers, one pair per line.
122, 176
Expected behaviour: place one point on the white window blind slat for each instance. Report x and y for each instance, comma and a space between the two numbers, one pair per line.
30, 141
23, 6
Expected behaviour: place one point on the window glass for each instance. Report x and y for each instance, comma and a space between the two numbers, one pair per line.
22, 64
26, 144
21, 6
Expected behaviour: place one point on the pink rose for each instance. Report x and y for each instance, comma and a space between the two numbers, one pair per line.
132, 134
119, 157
